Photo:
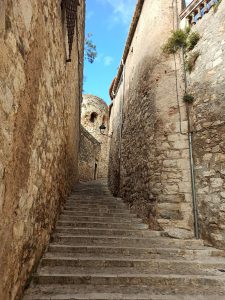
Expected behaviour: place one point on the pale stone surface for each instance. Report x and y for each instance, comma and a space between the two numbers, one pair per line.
94, 113
149, 165
89, 156
40, 98
208, 123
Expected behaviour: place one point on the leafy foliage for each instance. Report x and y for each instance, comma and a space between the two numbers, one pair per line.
188, 98
190, 61
216, 6
177, 40
192, 40
181, 39
90, 52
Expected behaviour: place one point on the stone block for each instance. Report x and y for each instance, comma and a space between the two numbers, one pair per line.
170, 163
216, 183
183, 164
184, 187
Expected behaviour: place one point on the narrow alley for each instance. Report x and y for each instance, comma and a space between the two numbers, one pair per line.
99, 250
112, 150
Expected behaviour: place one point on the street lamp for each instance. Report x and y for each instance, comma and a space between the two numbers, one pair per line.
102, 130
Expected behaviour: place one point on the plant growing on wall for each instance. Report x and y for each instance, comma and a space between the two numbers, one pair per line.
90, 52
176, 41
190, 61
192, 40
188, 98
181, 39
216, 6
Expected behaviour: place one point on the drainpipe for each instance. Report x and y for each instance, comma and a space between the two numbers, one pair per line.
192, 167
190, 144
121, 121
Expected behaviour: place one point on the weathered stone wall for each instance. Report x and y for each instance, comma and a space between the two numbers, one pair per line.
39, 130
90, 150
207, 84
153, 173
94, 112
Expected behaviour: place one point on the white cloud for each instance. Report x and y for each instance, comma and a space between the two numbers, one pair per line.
108, 60
122, 11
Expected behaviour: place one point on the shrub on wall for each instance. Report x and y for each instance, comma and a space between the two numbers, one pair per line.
190, 61
181, 39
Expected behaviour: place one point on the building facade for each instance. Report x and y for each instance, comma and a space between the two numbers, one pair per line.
41, 49
167, 155
94, 113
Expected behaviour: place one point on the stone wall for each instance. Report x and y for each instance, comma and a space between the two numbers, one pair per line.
90, 150
149, 156
94, 112
207, 83
39, 131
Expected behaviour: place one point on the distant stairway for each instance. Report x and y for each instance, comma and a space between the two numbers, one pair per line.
99, 250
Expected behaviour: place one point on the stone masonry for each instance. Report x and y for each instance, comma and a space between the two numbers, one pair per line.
89, 154
207, 84
149, 156
39, 130
100, 250
94, 113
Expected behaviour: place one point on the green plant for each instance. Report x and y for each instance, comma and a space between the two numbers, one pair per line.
192, 40
216, 6
190, 61
181, 39
90, 52
177, 41
188, 98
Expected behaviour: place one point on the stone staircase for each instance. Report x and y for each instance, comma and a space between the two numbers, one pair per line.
99, 250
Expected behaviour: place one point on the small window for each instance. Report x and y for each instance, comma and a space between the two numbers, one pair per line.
93, 117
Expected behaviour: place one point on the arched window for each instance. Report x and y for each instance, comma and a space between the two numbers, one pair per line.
93, 117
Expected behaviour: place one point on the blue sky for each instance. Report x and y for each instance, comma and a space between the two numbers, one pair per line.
108, 21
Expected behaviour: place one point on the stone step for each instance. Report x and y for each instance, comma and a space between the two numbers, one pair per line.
137, 226
108, 219
72, 205
97, 210
112, 276
98, 213
108, 232
70, 239
154, 265
87, 292
111, 251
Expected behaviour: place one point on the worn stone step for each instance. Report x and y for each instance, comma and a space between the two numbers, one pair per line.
70, 239
106, 232
136, 252
155, 265
97, 210
72, 205
69, 275
87, 292
108, 219
123, 226
98, 213
95, 200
